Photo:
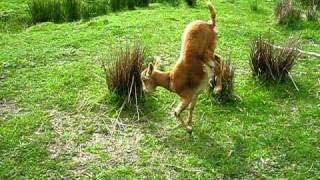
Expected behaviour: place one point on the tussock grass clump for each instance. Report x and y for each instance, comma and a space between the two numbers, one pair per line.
311, 3
272, 62
123, 73
131, 4
286, 13
66, 10
312, 14
169, 2
93, 8
56, 14
117, 5
191, 3
45, 10
54, 10
254, 5
142, 3
85, 10
228, 74
72, 9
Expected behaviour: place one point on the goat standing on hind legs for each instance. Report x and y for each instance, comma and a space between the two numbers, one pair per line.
194, 68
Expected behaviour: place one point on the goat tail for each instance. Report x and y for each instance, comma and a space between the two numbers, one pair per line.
213, 12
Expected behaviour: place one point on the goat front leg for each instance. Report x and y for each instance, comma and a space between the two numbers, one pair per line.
218, 81
181, 107
191, 108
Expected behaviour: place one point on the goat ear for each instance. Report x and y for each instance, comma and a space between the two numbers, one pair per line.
157, 63
150, 69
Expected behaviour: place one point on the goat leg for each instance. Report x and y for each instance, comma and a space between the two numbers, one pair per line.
191, 108
181, 107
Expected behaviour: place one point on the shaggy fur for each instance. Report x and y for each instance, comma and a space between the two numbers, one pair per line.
193, 69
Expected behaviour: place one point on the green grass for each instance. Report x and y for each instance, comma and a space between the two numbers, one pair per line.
14, 16
57, 118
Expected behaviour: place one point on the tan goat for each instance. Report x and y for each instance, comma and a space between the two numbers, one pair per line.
193, 69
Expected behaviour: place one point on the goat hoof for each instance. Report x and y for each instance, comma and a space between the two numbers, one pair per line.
172, 114
189, 129
217, 91
175, 114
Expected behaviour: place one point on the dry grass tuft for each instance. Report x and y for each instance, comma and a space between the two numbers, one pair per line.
286, 13
312, 14
228, 73
123, 73
270, 61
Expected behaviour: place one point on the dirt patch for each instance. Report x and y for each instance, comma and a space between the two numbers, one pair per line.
64, 144
84, 139
121, 149
8, 108
263, 164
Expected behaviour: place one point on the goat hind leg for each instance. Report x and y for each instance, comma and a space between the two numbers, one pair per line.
218, 74
191, 108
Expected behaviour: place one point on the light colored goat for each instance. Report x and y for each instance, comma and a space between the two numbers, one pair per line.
194, 68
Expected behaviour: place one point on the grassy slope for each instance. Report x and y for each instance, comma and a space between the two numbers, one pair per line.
57, 119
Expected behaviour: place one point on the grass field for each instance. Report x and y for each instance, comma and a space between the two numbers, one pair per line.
57, 119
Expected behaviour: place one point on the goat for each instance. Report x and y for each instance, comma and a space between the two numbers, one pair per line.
194, 68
